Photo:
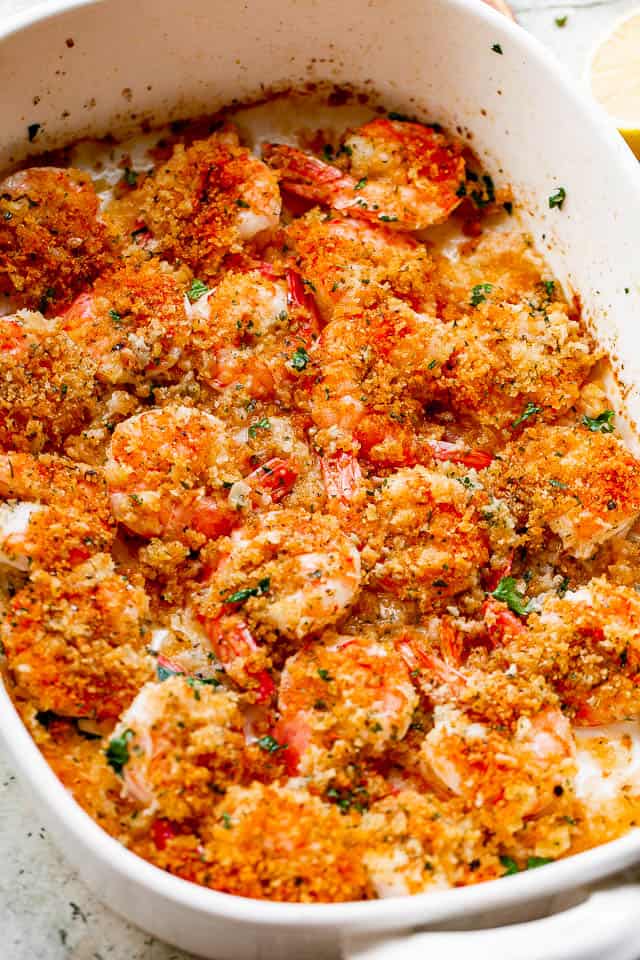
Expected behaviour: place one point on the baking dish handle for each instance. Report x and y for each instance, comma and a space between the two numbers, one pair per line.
605, 925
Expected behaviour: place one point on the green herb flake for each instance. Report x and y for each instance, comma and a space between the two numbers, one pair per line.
507, 592
387, 219
558, 484
549, 288
324, 675
117, 753
603, 423
529, 411
360, 184
115, 316
299, 359
226, 820
269, 744
479, 293
240, 596
510, 866
242, 203
557, 198
561, 21
130, 177
197, 290
263, 424
534, 862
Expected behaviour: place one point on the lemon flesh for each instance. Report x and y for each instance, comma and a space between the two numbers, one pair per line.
614, 75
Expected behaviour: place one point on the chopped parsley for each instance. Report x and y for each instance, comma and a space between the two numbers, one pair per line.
360, 184
497, 48
511, 867
346, 799
549, 287
564, 586
487, 195
226, 820
533, 862
299, 359
479, 293
163, 673
324, 675
242, 203
269, 744
387, 219
263, 424
117, 752
558, 484
561, 21
603, 423
529, 411
508, 593
197, 290
130, 177
557, 198
240, 596
115, 316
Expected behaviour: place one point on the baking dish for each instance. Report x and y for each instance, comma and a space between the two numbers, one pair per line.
71, 69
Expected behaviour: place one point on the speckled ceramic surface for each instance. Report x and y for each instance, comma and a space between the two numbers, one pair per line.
46, 911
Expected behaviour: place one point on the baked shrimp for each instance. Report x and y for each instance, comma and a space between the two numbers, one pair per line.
55, 512
178, 744
577, 482
206, 201
53, 241
167, 470
340, 698
76, 644
132, 324
286, 574
405, 175
47, 386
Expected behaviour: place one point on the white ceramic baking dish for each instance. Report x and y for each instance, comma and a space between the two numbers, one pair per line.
85, 68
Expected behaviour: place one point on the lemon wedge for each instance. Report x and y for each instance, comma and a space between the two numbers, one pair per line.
614, 77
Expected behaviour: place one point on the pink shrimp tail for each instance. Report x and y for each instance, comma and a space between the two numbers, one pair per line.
303, 174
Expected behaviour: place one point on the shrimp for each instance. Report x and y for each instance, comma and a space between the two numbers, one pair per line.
513, 770
583, 486
167, 470
285, 573
587, 645
514, 360
133, 323
75, 644
179, 743
341, 698
417, 842
206, 201
56, 514
279, 842
53, 242
249, 329
345, 258
405, 175
376, 369
46, 383
425, 535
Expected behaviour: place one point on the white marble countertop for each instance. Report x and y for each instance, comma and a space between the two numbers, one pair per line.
46, 912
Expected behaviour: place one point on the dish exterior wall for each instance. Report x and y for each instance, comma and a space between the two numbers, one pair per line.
85, 69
